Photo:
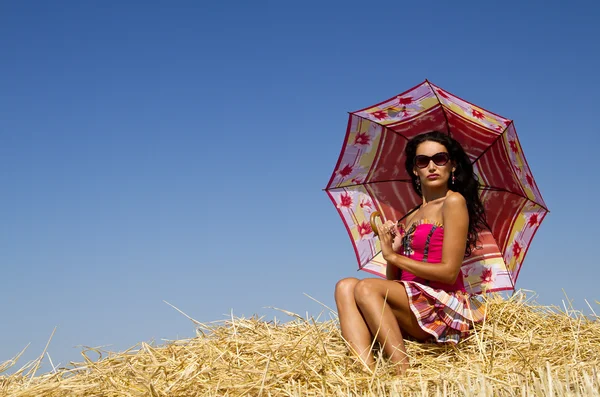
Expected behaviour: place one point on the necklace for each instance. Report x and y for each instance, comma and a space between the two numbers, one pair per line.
407, 241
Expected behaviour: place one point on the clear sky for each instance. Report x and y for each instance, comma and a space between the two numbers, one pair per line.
177, 151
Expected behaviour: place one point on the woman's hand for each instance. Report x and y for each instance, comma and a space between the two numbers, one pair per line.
397, 243
396, 238
387, 232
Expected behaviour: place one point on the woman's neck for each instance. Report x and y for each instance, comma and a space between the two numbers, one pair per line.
429, 196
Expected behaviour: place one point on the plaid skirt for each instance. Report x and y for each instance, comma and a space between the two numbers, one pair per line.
446, 316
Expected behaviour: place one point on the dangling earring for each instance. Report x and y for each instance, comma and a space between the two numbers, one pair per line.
453, 178
418, 183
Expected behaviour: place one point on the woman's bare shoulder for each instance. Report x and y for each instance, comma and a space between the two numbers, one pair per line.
454, 200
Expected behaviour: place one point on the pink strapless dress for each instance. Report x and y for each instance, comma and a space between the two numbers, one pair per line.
445, 311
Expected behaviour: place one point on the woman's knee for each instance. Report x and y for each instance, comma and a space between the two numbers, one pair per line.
345, 288
366, 290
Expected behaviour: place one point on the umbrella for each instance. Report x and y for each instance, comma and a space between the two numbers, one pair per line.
370, 176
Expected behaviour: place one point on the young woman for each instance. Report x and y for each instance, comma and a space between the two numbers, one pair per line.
424, 295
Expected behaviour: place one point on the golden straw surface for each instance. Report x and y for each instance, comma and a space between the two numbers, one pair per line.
522, 349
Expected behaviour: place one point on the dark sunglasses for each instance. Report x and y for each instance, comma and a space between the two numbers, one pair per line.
439, 159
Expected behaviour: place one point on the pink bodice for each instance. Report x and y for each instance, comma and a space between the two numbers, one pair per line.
423, 242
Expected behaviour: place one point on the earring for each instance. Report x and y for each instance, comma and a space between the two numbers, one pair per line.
418, 183
453, 178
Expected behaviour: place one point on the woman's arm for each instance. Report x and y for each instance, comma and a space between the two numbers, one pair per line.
393, 272
456, 227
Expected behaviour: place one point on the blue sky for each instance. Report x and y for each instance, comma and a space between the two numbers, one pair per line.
156, 151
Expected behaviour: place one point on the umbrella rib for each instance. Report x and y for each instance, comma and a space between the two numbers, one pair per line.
492, 188
381, 125
493, 143
498, 189
441, 106
366, 183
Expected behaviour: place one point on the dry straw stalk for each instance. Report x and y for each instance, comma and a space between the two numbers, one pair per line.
522, 349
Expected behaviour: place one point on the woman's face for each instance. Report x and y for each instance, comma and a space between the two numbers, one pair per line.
432, 175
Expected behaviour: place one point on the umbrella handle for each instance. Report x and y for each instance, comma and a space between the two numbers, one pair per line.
373, 224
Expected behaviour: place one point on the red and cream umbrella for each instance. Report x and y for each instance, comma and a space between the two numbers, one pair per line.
370, 176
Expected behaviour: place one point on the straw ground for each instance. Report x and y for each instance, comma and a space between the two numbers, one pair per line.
522, 349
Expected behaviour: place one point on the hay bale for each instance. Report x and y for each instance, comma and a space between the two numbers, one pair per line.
522, 349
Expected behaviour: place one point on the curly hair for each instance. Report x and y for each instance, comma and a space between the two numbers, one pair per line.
466, 182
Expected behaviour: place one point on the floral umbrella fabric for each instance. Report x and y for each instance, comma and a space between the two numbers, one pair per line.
370, 176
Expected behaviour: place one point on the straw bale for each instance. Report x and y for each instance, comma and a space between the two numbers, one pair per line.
521, 349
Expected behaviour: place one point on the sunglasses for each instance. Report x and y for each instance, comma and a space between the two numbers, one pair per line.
439, 159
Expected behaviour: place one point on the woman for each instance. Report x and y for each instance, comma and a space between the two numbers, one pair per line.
423, 296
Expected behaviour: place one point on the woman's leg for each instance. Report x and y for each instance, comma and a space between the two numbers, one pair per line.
388, 317
353, 325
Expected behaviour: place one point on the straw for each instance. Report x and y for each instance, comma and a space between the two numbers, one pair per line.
521, 349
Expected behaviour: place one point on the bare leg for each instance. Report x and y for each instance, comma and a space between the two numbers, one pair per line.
353, 325
386, 318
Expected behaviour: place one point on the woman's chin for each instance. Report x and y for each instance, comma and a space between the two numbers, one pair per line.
436, 184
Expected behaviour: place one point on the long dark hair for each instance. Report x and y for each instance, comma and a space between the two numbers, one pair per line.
466, 182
